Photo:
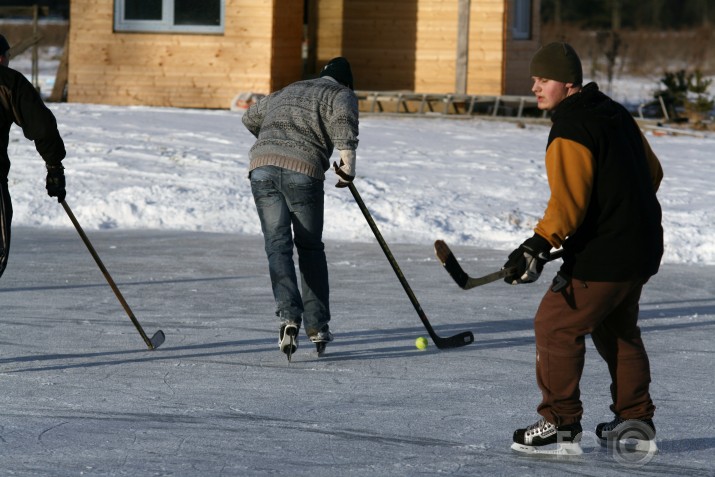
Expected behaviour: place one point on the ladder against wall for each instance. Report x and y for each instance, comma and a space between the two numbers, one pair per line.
32, 41
407, 102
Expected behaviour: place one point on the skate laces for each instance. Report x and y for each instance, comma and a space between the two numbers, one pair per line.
322, 337
612, 425
540, 427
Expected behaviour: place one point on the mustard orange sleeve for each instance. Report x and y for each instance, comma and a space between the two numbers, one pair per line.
569, 168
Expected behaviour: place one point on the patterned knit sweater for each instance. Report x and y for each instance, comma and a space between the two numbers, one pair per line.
298, 127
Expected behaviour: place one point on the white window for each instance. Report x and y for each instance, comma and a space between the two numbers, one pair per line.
521, 20
184, 16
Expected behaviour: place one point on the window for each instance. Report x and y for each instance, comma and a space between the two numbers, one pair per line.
185, 16
521, 20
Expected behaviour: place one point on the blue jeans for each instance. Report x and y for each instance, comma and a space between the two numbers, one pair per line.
284, 200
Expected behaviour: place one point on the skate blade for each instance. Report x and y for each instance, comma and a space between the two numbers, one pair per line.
289, 343
289, 348
320, 347
632, 445
561, 449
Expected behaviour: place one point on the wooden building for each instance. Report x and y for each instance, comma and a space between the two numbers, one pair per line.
202, 54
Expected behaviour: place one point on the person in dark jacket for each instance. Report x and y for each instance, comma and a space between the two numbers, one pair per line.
21, 104
296, 129
604, 213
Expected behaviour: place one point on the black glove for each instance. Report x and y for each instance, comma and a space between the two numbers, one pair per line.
528, 260
55, 183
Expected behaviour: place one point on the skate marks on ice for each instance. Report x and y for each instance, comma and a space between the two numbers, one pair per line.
78, 393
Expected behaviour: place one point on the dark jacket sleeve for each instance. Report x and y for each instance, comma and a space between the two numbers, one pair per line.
36, 120
656, 170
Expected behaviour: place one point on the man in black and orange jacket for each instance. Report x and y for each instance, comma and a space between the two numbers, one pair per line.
604, 213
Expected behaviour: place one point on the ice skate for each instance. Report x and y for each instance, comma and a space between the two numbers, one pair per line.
288, 338
321, 339
543, 437
634, 435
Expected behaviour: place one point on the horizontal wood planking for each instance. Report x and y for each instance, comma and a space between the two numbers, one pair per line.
399, 44
412, 44
518, 54
170, 69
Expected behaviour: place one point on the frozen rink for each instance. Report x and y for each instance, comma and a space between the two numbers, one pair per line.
81, 394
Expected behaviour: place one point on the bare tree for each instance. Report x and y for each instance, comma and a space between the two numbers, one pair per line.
656, 7
557, 14
616, 6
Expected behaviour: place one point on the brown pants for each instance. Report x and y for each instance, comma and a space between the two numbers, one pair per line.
609, 312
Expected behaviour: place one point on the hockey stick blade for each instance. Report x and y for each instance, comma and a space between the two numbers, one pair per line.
460, 339
157, 340
450, 263
158, 337
465, 282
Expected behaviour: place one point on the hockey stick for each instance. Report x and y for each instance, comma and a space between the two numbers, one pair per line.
465, 282
158, 337
455, 341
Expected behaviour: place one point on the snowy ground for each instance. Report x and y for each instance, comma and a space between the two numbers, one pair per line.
471, 182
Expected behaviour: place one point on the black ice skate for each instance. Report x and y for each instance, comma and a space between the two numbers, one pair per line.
288, 338
629, 434
321, 339
543, 437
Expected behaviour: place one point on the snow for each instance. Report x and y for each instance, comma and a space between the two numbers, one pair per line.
163, 194
471, 182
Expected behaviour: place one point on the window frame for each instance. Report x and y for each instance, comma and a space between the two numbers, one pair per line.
521, 20
166, 24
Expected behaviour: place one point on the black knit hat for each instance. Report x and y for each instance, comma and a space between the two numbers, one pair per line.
557, 61
4, 46
339, 69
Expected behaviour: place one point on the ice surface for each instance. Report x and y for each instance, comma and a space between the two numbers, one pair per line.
81, 394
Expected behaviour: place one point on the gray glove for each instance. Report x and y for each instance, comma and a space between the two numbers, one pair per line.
346, 169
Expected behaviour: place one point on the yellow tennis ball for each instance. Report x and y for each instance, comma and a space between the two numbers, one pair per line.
421, 342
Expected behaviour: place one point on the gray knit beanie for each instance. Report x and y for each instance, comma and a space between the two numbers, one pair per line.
557, 61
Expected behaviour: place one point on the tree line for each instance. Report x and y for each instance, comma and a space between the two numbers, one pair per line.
618, 14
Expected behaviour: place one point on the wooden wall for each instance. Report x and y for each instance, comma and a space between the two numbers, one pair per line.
519, 53
411, 44
487, 47
286, 60
255, 53
392, 45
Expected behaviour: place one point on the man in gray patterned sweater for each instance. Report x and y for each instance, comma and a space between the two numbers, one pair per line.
297, 129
